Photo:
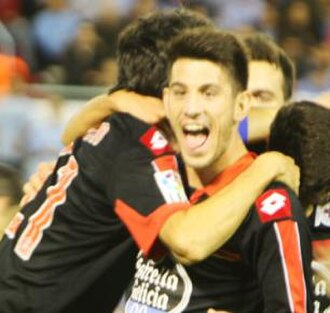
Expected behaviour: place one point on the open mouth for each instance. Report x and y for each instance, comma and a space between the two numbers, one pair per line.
195, 135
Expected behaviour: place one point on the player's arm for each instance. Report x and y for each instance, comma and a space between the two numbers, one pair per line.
36, 180
194, 234
148, 109
276, 243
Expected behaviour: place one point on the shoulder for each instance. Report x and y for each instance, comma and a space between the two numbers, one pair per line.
116, 129
277, 202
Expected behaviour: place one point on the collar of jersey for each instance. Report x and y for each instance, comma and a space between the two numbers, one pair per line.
224, 178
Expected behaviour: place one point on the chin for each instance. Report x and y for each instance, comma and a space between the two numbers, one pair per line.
197, 162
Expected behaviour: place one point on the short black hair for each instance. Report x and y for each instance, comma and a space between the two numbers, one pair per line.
142, 58
262, 48
302, 131
221, 47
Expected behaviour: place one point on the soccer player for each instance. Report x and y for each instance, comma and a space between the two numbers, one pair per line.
265, 266
302, 131
271, 82
67, 250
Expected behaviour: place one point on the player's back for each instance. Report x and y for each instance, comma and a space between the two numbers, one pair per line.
67, 251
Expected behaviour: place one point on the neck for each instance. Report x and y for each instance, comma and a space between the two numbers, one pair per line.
235, 150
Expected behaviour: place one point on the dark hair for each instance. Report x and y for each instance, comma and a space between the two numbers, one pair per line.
10, 183
263, 48
142, 58
217, 46
302, 131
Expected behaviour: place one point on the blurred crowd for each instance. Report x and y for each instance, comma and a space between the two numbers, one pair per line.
73, 42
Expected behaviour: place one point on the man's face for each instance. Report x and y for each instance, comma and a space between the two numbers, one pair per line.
200, 104
266, 84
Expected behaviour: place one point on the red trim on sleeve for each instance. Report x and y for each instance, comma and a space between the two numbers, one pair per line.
165, 162
225, 177
289, 242
145, 229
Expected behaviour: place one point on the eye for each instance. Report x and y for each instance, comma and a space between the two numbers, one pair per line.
210, 92
263, 96
178, 91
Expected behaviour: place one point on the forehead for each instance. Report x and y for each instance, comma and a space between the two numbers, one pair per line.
198, 72
264, 76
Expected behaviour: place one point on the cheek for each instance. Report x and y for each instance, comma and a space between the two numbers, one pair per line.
173, 113
222, 125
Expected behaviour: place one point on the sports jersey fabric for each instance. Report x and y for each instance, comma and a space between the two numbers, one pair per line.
67, 251
320, 226
262, 268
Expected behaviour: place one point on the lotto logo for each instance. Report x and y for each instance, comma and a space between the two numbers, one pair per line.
273, 205
158, 141
155, 141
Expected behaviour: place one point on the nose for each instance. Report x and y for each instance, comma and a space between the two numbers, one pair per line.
193, 106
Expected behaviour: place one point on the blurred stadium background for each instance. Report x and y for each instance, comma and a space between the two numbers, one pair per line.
56, 54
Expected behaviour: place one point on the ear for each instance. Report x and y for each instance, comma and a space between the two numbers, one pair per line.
242, 105
166, 95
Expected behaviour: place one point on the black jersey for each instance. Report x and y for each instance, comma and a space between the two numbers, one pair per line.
67, 251
320, 226
264, 267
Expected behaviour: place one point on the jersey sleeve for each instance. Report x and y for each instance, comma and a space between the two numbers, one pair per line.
320, 225
148, 187
277, 244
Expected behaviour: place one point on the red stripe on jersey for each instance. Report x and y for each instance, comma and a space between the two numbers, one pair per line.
145, 229
225, 177
321, 250
289, 242
165, 162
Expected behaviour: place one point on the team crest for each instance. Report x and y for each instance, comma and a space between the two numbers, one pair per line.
157, 287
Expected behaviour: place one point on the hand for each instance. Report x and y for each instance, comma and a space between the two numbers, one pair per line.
91, 115
148, 109
36, 181
286, 171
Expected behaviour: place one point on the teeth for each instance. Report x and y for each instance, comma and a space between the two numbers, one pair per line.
193, 127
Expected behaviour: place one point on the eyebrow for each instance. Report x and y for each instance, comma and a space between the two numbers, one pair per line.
260, 91
174, 84
209, 85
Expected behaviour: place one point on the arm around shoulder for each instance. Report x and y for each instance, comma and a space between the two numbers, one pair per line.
194, 234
